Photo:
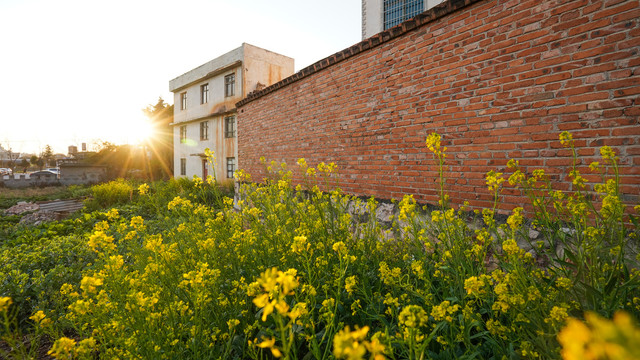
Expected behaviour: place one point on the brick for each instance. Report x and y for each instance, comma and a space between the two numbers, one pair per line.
496, 79
589, 97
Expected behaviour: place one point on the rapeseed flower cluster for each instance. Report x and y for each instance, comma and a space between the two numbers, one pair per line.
276, 286
600, 338
5, 302
352, 345
176, 274
444, 311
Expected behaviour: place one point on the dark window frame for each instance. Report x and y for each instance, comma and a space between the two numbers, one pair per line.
183, 101
204, 93
230, 126
230, 85
231, 167
397, 11
183, 134
183, 166
204, 130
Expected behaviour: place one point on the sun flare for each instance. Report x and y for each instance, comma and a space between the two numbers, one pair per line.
140, 131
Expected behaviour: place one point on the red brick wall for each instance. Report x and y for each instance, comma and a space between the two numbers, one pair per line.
498, 79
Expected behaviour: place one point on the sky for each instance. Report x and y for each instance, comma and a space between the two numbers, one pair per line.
74, 71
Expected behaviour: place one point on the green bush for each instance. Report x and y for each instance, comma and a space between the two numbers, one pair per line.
113, 193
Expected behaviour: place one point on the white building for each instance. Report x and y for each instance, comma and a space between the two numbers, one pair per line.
380, 15
205, 112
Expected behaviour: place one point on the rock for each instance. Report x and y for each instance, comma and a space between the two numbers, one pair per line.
385, 212
533, 234
358, 210
22, 207
568, 231
39, 217
524, 244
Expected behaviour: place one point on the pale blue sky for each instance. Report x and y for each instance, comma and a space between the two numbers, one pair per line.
75, 71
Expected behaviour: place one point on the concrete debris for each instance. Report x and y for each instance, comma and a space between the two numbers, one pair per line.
21, 208
385, 212
40, 217
37, 213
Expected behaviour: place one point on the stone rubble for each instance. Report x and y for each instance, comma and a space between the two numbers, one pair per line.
21, 208
40, 217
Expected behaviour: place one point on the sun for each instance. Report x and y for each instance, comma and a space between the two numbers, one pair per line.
140, 131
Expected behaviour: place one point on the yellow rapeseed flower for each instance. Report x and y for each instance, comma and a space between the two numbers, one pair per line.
600, 338
494, 180
406, 206
85, 347
566, 139
444, 310
339, 247
5, 302
607, 153
270, 343
300, 244
475, 284
63, 348
143, 189
113, 214
434, 144
515, 219
38, 316
137, 222
349, 344
99, 240
413, 316
350, 284
88, 284
299, 309
558, 314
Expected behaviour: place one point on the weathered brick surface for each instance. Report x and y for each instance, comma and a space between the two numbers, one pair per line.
498, 79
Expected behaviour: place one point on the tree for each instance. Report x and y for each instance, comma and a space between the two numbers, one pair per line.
160, 143
25, 164
47, 155
121, 160
34, 160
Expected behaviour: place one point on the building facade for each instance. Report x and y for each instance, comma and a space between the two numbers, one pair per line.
204, 108
380, 15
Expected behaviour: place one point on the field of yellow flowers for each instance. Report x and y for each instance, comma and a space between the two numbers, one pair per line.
173, 270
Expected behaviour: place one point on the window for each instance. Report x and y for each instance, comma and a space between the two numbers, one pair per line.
183, 101
230, 127
183, 166
397, 11
204, 94
183, 133
229, 85
231, 167
204, 130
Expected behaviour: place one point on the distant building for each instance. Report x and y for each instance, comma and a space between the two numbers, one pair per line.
205, 112
380, 15
8, 157
79, 173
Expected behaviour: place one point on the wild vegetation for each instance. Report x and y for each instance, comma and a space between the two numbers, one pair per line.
171, 270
